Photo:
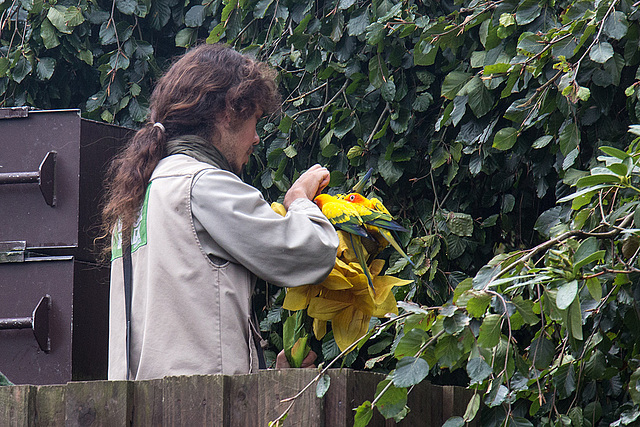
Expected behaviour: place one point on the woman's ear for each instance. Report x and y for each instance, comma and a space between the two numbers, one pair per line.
224, 120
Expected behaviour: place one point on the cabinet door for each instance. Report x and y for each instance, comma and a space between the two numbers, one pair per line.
22, 285
24, 143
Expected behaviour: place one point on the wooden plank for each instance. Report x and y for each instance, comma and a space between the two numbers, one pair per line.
275, 385
147, 403
193, 400
241, 400
50, 406
436, 405
98, 403
348, 390
337, 401
17, 405
448, 403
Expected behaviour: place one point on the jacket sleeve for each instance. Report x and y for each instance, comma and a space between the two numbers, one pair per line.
240, 226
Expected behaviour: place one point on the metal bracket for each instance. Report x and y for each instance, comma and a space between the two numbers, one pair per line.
12, 251
45, 177
14, 112
38, 322
17, 251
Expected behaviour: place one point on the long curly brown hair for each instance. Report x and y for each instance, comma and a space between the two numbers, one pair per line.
199, 87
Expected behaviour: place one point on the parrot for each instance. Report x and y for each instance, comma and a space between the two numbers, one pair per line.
344, 216
359, 187
378, 219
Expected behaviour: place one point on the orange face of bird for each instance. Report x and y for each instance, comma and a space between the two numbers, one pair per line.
357, 198
321, 199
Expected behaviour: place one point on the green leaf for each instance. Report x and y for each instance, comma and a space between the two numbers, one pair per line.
566, 294
460, 224
489, 336
575, 319
393, 401
480, 99
601, 52
592, 180
564, 380
569, 138
410, 371
527, 11
422, 102
388, 90
505, 138
73, 16
290, 151
96, 101
478, 370
411, 343
330, 150
616, 25
216, 34
389, 171
22, 69
614, 152
541, 353
596, 365
596, 256
499, 68
195, 16
160, 13
375, 33
364, 413
448, 351
484, 276
595, 288
186, 37
45, 68
634, 388
477, 305
137, 112
525, 308
454, 422
378, 71
453, 82
358, 23
48, 34
56, 16
4, 66
323, 385
531, 44
424, 53
472, 408
344, 126
619, 169
127, 7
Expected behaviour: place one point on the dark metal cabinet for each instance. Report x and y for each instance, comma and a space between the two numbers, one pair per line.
52, 166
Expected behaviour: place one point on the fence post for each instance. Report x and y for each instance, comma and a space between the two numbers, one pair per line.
275, 385
193, 400
98, 403
148, 409
50, 407
17, 405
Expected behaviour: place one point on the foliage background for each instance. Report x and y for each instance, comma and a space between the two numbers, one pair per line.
477, 117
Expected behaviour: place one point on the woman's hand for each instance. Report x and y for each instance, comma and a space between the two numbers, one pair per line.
282, 362
308, 185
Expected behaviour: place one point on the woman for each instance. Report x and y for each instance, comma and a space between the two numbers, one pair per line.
199, 235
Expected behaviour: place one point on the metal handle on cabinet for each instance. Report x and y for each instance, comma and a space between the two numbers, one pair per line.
45, 177
39, 322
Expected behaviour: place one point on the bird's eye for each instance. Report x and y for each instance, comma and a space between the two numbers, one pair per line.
352, 197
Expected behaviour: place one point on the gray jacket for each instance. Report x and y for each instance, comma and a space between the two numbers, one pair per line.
201, 238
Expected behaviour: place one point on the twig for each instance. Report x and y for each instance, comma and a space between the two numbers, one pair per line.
564, 236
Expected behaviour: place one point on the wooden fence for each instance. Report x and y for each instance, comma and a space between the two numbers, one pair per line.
217, 400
